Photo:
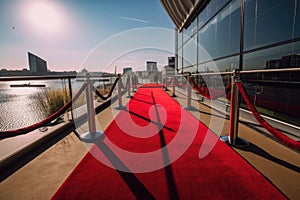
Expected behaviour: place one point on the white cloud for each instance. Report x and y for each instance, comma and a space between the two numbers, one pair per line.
135, 19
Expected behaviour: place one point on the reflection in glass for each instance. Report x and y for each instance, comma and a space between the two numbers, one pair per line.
189, 52
220, 37
266, 58
265, 24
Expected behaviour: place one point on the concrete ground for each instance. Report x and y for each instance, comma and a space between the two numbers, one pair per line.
41, 177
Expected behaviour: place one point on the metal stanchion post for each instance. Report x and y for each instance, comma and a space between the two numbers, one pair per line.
166, 81
174, 87
93, 134
189, 95
120, 106
132, 83
128, 87
232, 137
71, 96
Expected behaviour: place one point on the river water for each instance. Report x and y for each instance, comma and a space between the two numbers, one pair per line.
17, 105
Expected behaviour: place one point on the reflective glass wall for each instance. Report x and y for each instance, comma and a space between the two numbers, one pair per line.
271, 36
248, 35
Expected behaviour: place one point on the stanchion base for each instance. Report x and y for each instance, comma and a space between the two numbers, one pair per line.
190, 108
129, 97
120, 107
173, 95
91, 138
239, 142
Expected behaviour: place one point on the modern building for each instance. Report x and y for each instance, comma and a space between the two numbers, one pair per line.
36, 64
151, 66
234, 33
169, 70
127, 70
171, 62
257, 36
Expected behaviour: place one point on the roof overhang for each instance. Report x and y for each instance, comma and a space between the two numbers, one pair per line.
182, 12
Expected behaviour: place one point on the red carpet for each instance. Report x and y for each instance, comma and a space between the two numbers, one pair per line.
222, 174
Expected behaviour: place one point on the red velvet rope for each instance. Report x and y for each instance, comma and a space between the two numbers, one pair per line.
210, 93
110, 92
21, 131
276, 133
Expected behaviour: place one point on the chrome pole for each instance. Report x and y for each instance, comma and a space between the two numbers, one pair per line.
232, 137
189, 95
120, 106
93, 134
128, 86
166, 81
234, 109
71, 96
174, 82
91, 109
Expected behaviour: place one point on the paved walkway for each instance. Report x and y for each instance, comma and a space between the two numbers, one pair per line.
41, 178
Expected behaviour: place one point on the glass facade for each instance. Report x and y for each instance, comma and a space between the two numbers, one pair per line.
248, 35
271, 31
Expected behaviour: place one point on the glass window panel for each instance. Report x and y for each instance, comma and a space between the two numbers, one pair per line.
189, 52
268, 22
297, 20
207, 41
190, 30
209, 11
228, 64
276, 57
221, 36
296, 55
191, 69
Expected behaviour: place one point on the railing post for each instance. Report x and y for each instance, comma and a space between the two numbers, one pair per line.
133, 82
93, 134
120, 106
71, 96
189, 94
166, 81
174, 87
128, 86
232, 137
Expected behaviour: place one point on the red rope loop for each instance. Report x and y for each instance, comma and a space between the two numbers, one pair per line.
22, 131
210, 93
276, 133
110, 92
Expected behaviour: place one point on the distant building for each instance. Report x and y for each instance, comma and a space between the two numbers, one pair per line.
171, 62
152, 66
285, 62
127, 70
36, 64
169, 70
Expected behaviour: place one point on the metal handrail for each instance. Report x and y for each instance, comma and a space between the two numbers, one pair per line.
248, 71
47, 77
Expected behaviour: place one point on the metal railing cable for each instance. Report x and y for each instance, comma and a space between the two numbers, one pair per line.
110, 92
210, 93
276, 133
22, 131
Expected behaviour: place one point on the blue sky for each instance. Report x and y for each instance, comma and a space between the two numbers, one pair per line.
67, 32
